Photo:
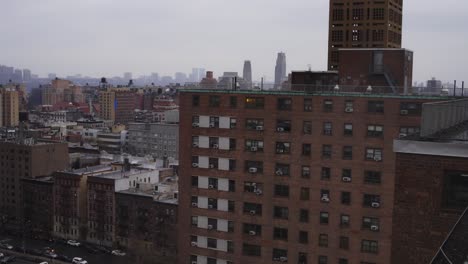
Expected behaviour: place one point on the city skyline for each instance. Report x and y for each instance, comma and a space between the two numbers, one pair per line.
136, 46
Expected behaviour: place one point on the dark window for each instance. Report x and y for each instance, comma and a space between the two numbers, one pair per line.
214, 121
213, 163
283, 147
232, 185
302, 258
213, 183
280, 212
284, 103
326, 151
252, 166
254, 145
372, 177
212, 223
371, 223
303, 237
342, 261
195, 100
254, 124
253, 187
304, 215
280, 255
282, 190
326, 173
252, 229
280, 234
194, 220
322, 260
378, 13
455, 193
410, 108
212, 243
282, 169
195, 181
346, 198
327, 128
254, 102
307, 127
371, 200
214, 100
324, 218
344, 242
349, 106
375, 106
328, 105
306, 149
346, 175
305, 172
212, 203
347, 152
308, 105
323, 240
325, 195
283, 126
344, 220
369, 246
305, 194
211, 261
348, 129
251, 250
233, 101
374, 131
253, 208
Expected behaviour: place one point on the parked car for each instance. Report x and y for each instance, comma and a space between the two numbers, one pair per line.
7, 259
50, 254
2, 255
77, 260
44, 262
73, 243
6, 246
117, 252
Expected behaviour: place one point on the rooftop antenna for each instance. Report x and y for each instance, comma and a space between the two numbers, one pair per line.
309, 67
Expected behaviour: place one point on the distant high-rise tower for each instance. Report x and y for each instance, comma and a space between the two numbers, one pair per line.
368, 24
247, 74
280, 69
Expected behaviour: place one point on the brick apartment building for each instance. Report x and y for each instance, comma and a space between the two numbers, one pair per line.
431, 186
289, 176
117, 104
363, 24
38, 196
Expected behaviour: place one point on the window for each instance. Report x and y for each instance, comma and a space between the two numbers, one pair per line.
378, 35
304, 215
346, 175
405, 131
305, 173
211, 261
303, 237
358, 13
372, 177
371, 200
195, 100
379, 13
194, 220
251, 250
282, 169
214, 142
213, 163
322, 260
252, 229
347, 152
212, 203
349, 106
280, 234
214, 101
307, 127
284, 104
306, 149
369, 246
328, 105
410, 108
302, 258
323, 240
307, 105
214, 122
254, 145
348, 129
324, 218
254, 102
371, 223
213, 223
346, 198
326, 173
374, 131
194, 181
326, 151
279, 254
338, 14
283, 147
344, 220
344, 242
342, 261
455, 189
253, 208
212, 243
375, 106
337, 35
213, 183
282, 190
281, 212
254, 124
253, 166
283, 126
195, 121
233, 101
253, 187
305, 194
374, 154
327, 128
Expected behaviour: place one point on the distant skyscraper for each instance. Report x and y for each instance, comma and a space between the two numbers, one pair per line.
127, 76
26, 75
280, 69
247, 74
180, 77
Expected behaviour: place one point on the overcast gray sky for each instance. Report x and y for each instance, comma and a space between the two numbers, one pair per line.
109, 37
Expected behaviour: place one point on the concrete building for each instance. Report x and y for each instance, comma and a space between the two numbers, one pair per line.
156, 139
266, 166
280, 70
117, 104
431, 187
26, 160
372, 24
111, 142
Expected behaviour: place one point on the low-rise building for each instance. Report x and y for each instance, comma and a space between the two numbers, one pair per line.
157, 139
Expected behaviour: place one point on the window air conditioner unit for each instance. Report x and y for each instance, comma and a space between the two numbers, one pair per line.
279, 172
211, 186
374, 227
212, 166
195, 165
194, 204
403, 112
210, 206
212, 124
210, 227
253, 170
349, 109
253, 149
283, 259
215, 146
195, 124
375, 204
252, 233
195, 145
346, 179
259, 128
253, 212
194, 244
377, 158
325, 198
280, 129
258, 192
402, 135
